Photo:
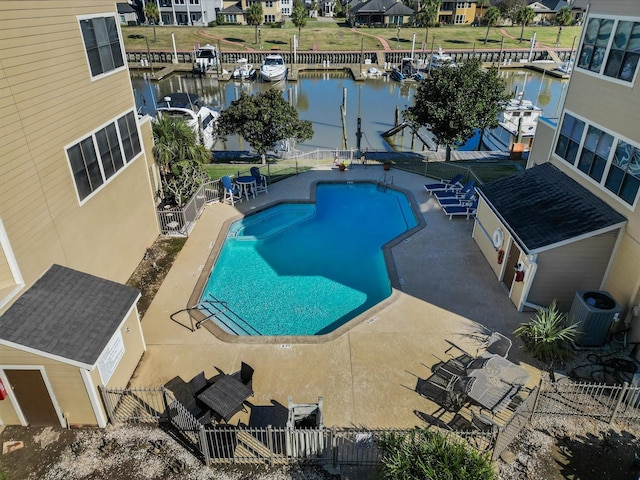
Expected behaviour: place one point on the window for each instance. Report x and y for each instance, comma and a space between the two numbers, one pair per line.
268, 4
460, 19
286, 10
569, 138
624, 174
611, 162
611, 48
595, 152
96, 158
269, 18
194, 2
102, 44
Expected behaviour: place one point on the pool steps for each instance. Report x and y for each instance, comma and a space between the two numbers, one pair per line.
268, 223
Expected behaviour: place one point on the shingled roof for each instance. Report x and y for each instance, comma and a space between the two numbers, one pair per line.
67, 314
542, 207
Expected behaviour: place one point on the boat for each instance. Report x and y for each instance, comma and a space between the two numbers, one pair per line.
516, 124
373, 72
566, 67
244, 70
441, 59
188, 107
407, 71
273, 68
206, 59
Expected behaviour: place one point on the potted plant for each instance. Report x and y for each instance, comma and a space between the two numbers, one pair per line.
387, 164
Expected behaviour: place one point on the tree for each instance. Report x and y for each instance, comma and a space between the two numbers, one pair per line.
429, 454
454, 102
509, 9
427, 16
263, 120
254, 16
547, 334
153, 15
299, 15
491, 19
524, 17
178, 155
564, 16
480, 6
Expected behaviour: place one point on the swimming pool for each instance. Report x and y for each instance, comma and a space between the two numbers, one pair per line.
307, 268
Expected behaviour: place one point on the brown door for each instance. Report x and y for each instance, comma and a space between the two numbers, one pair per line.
33, 397
510, 267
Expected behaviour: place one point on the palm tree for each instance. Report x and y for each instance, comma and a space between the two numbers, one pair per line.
491, 18
480, 6
153, 15
254, 16
299, 16
547, 335
175, 142
525, 16
428, 15
564, 16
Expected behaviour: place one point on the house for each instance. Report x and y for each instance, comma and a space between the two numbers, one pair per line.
186, 12
457, 13
380, 13
573, 222
234, 11
127, 14
546, 10
77, 212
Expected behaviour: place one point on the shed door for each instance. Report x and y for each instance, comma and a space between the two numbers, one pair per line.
510, 267
33, 397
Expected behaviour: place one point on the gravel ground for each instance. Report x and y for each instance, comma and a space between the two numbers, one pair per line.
551, 448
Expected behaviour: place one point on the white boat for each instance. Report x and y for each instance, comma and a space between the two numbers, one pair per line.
206, 59
441, 59
244, 70
273, 68
188, 107
516, 124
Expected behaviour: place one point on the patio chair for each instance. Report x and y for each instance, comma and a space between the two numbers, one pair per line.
456, 192
245, 375
198, 383
461, 210
447, 381
261, 180
231, 192
467, 199
444, 184
498, 344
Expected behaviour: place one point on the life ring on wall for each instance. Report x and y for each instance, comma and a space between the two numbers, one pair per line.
500, 256
498, 237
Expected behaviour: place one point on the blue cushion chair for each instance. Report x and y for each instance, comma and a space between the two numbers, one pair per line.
231, 192
444, 184
261, 180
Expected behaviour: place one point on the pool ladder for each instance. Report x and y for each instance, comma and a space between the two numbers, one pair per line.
384, 182
219, 312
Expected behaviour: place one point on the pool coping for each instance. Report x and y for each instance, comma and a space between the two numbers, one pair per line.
369, 315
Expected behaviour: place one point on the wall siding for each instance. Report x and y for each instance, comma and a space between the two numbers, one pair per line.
577, 266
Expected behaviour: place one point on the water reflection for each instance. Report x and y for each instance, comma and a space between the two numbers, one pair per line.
318, 97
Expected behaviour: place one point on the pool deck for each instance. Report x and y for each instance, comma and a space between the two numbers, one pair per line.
366, 375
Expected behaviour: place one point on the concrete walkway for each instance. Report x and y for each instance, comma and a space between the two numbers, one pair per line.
367, 375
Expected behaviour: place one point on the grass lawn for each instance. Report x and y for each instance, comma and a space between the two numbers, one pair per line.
326, 36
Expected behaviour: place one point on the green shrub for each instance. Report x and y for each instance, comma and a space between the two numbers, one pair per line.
424, 454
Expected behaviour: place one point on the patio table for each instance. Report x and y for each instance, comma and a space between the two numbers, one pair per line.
490, 392
501, 368
247, 184
226, 396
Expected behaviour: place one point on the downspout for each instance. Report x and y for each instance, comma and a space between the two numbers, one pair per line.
533, 268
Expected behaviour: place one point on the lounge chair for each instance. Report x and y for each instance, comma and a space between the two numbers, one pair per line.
456, 192
444, 184
468, 199
460, 210
261, 180
231, 192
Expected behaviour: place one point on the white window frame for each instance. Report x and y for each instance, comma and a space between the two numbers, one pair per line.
92, 135
600, 74
12, 262
80, 18
605, 174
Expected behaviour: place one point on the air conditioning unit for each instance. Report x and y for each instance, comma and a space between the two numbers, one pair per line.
594, 312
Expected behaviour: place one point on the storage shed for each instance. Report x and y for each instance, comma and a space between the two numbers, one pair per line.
545, 236
65, 336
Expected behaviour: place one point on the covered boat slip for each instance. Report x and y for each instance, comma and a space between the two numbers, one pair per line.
545, 236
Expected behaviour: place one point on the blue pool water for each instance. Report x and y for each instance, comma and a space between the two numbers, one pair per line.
306, 269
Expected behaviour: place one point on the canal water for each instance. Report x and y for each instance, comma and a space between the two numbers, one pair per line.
318, 97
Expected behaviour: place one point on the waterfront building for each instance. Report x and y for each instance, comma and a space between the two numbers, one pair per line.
571, 221
77, 211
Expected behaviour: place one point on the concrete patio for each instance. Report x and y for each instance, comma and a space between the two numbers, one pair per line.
367, 376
